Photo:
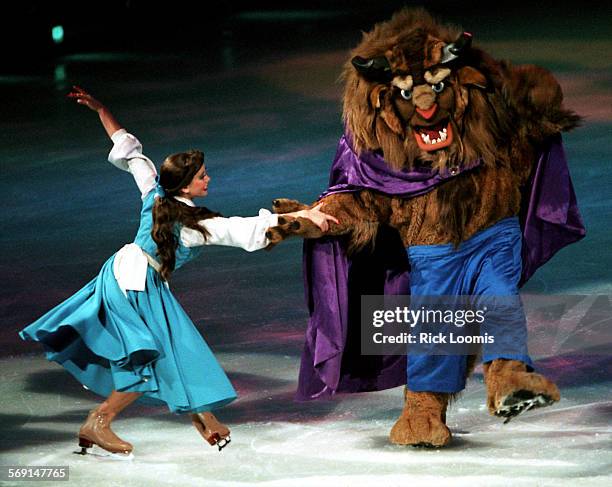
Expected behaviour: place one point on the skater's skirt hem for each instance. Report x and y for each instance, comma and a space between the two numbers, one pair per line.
92, 379
134, 342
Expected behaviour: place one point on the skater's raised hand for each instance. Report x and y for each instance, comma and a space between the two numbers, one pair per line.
84, 98
106, 117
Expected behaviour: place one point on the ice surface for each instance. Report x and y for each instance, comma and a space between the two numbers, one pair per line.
278, 442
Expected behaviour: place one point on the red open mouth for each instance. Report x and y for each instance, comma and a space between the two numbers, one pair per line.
435, 137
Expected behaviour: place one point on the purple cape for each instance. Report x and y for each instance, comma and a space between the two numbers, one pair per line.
331, 359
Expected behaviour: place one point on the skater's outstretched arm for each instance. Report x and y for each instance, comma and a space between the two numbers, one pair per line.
249, 233
127, 150
109, 122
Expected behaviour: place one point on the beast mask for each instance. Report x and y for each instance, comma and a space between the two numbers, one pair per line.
418, 92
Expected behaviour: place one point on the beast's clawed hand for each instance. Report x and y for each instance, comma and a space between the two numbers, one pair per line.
287, 226
295, 218
285, 205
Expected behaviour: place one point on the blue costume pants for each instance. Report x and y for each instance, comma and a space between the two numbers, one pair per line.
486, 265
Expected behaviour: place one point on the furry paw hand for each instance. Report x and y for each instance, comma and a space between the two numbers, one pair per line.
286, 226
284, 205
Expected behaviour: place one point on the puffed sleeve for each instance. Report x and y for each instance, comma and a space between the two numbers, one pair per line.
126, 154
248, 233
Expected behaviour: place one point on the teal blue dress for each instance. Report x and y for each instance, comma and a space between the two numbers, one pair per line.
135, 341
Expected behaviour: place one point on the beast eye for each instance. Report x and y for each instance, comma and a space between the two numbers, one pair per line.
438, 87
406, 94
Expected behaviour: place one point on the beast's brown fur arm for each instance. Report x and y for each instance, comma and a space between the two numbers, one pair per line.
537, 97
359, 214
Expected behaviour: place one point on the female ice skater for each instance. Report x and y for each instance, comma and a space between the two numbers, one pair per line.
124, 335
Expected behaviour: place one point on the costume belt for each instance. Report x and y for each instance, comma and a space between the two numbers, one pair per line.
152, 262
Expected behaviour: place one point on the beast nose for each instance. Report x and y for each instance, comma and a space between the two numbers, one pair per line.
427, 114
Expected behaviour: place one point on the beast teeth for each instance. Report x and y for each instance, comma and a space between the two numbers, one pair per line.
443, 135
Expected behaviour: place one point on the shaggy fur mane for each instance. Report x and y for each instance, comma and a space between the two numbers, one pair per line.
490, 118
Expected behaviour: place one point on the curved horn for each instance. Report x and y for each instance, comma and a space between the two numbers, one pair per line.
375, 69
453, 51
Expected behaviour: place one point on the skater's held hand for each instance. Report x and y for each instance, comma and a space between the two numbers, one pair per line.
84, 98
318, 217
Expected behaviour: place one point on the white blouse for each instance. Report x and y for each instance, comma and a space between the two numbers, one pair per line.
130, 269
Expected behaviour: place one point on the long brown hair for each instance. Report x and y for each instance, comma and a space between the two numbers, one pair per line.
176, 172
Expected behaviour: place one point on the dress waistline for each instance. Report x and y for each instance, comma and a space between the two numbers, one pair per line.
152, 262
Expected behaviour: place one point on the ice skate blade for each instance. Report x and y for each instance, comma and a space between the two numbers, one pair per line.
422, 445
223, 442
520, 401
427, 446
98, 452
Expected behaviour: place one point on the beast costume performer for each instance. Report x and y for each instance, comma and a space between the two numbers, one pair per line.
450, 180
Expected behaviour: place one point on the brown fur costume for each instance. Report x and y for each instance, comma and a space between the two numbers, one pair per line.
404, 99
